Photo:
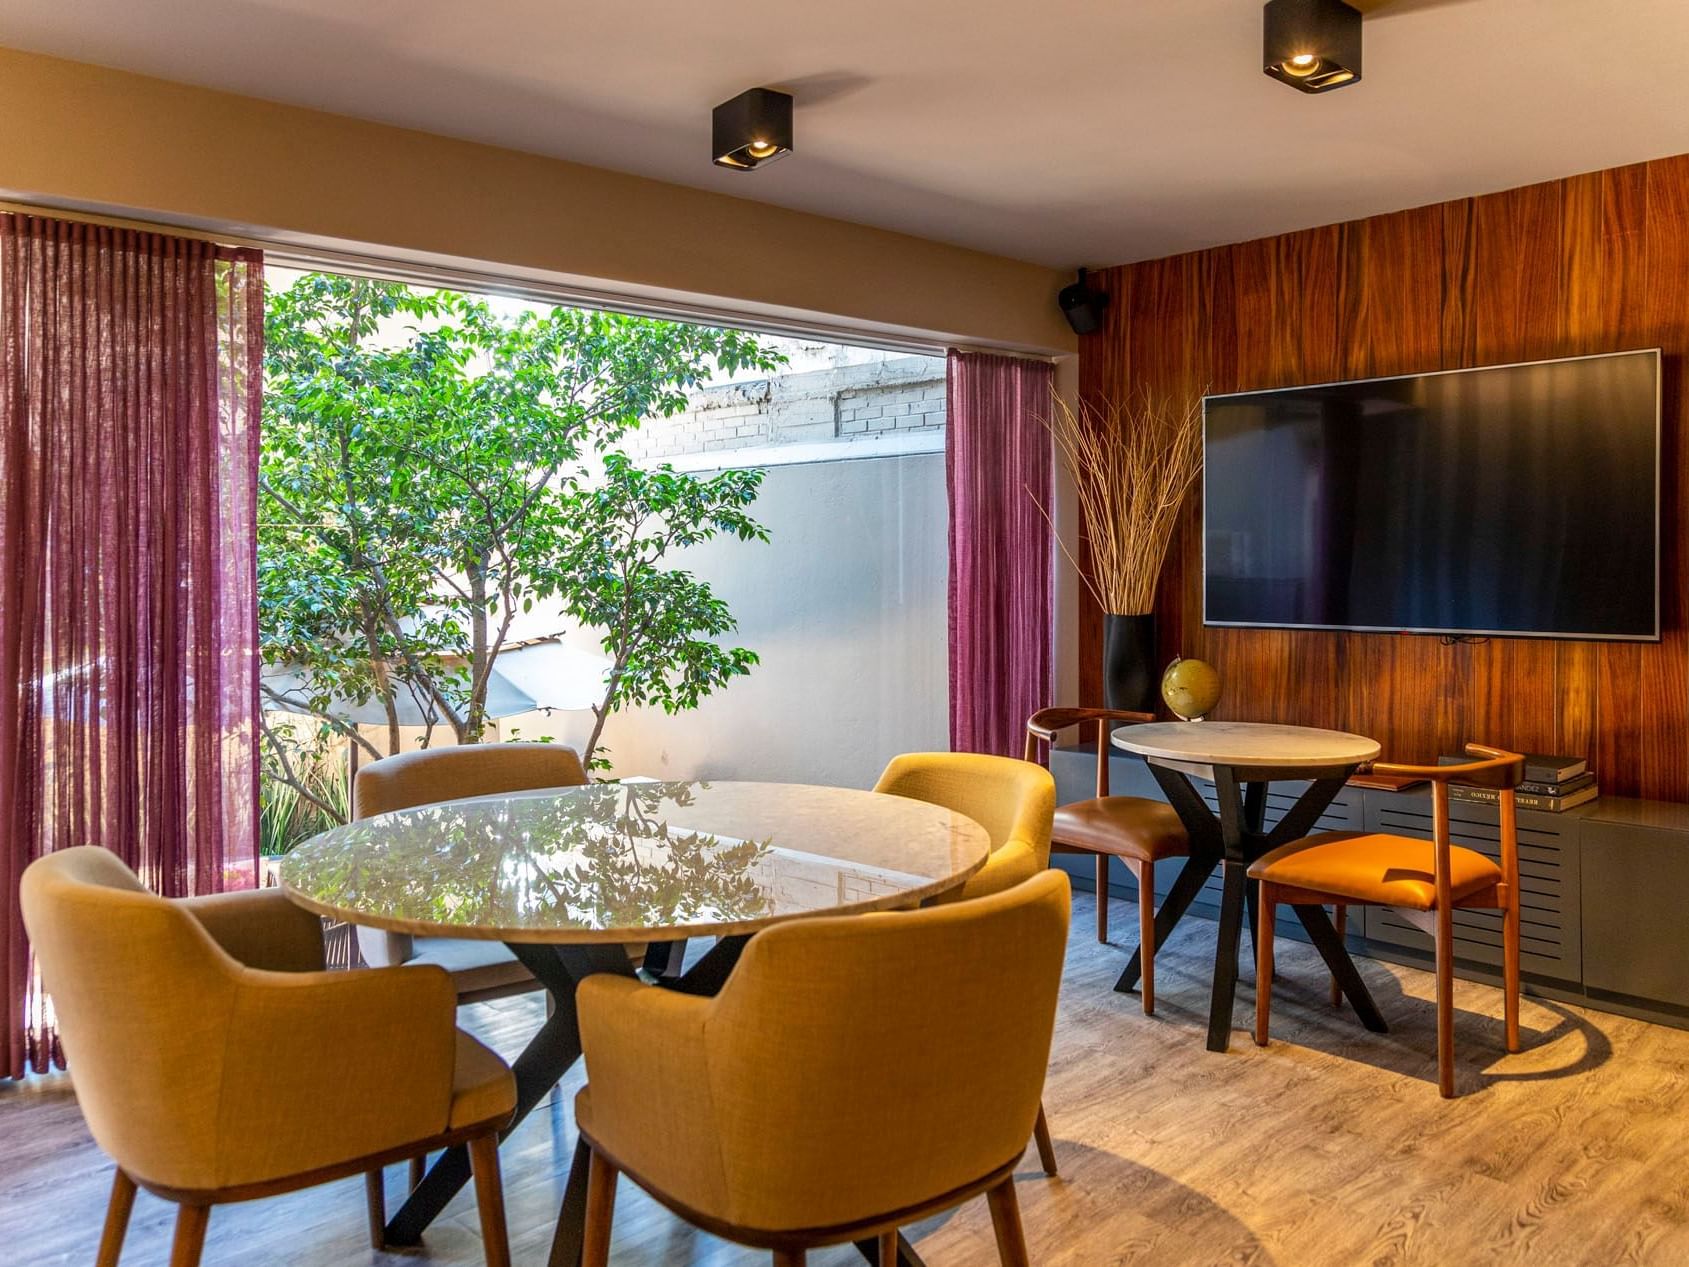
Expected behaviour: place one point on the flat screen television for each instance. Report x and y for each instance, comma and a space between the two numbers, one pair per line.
1516, 500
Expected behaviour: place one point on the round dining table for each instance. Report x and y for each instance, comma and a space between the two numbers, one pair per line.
571, 878
1241, 760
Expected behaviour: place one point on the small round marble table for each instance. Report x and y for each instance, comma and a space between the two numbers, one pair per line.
1241, 759
570, 877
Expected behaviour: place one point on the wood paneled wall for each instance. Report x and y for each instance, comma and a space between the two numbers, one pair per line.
1596, 263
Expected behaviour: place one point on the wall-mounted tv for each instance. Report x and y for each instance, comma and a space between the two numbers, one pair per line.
1517, 500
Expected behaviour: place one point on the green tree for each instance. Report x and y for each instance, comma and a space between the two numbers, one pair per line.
430, 469
659, 625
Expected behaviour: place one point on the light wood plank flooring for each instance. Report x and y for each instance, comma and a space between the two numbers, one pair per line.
1330, 1147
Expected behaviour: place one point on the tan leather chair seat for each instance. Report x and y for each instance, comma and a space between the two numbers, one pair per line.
483, 1088
1125, 826
1374, 868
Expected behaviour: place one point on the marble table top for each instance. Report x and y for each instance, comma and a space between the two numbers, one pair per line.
633, 862
1241, 744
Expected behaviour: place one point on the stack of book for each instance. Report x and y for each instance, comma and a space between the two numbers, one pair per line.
1552, 784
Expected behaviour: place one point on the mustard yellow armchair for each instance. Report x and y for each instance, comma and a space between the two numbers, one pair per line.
215, 1061
1015, 801
855, 1075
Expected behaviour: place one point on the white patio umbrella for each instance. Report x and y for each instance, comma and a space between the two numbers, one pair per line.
537, 675
292, 682
558, 674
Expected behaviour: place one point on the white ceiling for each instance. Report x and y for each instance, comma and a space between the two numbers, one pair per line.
1063, 131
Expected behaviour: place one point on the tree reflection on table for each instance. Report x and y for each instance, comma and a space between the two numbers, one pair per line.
603, 856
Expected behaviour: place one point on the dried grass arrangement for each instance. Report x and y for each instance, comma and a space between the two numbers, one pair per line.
1132, 465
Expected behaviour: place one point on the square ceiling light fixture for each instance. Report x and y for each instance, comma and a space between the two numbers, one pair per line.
1313, 45
752, 129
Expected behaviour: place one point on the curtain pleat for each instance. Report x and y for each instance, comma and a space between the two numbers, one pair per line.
131, 381
997, 465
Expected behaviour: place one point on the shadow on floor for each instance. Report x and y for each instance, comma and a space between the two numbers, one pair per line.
1303, 1015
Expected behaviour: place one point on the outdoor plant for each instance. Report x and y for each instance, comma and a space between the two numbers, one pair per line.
659, 625
432, 468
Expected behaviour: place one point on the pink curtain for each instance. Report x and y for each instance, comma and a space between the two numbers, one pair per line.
997, 464
130, 388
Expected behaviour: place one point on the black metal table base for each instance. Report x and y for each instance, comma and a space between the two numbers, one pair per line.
1230, 841
549, 1055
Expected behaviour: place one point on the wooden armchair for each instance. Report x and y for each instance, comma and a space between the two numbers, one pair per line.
1138, 830
214, 1061
1426, 880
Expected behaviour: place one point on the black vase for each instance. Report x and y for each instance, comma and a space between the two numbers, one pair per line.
1129, 662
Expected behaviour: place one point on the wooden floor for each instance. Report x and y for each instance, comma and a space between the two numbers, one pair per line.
1331, 1146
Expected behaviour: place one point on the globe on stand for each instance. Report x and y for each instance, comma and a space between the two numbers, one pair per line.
1191, 688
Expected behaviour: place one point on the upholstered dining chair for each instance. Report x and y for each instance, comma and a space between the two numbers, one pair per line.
215, 1061
1425, 880
1011, 799
758, 1114
1138, 830
480, 970
1014, 801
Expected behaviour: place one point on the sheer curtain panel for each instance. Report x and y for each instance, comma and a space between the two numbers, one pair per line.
997, 461
130, 389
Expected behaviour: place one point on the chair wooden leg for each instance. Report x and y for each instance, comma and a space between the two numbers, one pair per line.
1146, 934
1445, 1000
1102, 897
375, 1202
888, 1248
1005, 1221
795, 1257
191, 1221
600, 1211
1264, 963
1340, 920
1046, 1146
419, 1168
117, 1219
1510, 970
489, 1199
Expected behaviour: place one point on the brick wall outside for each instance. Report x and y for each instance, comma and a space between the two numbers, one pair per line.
845, 405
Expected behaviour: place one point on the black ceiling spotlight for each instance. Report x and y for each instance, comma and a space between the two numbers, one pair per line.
752, 129
1313, 45
1082, 306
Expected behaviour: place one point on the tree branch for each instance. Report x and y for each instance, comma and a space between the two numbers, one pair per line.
288, 776
345, 728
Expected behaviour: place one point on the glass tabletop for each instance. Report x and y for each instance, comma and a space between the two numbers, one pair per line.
628, 862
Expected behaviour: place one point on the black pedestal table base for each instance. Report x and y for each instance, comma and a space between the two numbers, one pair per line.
1231, 841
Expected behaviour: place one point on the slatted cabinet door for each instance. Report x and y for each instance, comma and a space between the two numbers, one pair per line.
1550, 940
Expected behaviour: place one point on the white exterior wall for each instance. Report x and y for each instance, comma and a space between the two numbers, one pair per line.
846, 605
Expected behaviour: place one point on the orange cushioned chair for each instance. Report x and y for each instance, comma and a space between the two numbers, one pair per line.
215, 1061
1138, 830
1424, 879
856, 1074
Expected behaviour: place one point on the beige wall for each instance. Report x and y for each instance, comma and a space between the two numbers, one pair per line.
79, 136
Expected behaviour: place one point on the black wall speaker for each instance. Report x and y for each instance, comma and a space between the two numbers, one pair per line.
1082, 306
